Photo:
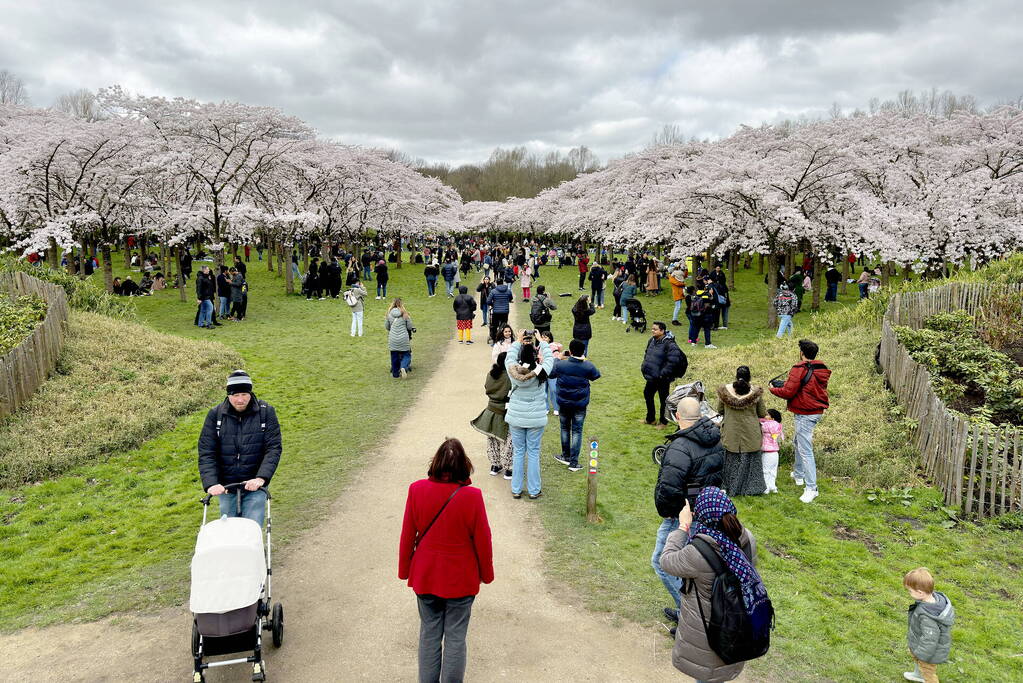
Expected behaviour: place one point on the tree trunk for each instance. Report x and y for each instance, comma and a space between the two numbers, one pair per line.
397, 243
305, 257
733, 263
127, 254
271, 248
289, 276
907, 273
772, 288
886, 271
108, 268
81, 258
815, 283
143, 252
760, 264
180, 277
845, 274
52, 257
696, 267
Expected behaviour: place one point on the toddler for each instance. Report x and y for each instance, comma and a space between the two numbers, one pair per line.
552, 387
930, 626
771, 430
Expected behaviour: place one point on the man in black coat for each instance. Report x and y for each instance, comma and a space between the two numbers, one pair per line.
693, 459
240, 443
833, 277
662, 362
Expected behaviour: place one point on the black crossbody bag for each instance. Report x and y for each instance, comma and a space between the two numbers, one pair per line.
419, 538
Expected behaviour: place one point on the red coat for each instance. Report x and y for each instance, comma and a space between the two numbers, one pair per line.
456, 555
813, 398
584, 263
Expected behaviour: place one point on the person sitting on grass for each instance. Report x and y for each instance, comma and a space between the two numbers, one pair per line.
240, 443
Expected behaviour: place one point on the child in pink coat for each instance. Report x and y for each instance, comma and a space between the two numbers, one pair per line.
771, 430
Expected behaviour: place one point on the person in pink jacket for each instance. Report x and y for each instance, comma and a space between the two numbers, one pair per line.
771, 429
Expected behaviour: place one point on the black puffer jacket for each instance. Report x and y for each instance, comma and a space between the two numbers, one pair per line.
694, 459
664, 359
464, 306
244, 450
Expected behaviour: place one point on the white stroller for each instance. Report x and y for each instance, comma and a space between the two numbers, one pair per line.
694, 390
230, 597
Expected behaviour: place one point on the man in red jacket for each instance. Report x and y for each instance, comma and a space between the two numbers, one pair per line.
584, 267
806, 391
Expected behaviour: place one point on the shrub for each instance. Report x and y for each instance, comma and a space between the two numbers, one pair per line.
18, 318
83, 295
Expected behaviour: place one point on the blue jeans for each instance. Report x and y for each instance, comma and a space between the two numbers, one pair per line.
382, 288
724, 315
526, 453
678, 307
863, 290
832, 293
225, 306
597, 296
450, 284
431, 285
672, 583
400, 359
552, 394
586, 346
697, 323
253, 505
785, 323
805, 466
443, 623
206, 313
486, 316
572, 434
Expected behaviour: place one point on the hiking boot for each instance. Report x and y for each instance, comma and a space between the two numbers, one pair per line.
507, 474
495, 470
671, 613
808, 495
562, 459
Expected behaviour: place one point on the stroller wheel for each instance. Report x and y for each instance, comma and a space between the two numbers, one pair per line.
277, 624
658, 454
195, 639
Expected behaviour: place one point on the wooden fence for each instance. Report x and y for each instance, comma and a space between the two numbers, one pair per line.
25, 367
978, 468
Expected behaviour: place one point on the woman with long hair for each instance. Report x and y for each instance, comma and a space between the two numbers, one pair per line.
713, 522
742, 405
502, 341
491, 421
581, 328
529, 362
399, 338
445, 553
618, 284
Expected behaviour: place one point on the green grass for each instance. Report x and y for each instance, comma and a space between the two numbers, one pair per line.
834, 568
118, 534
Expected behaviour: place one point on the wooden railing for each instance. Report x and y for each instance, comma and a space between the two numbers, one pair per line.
25, 367
979, 468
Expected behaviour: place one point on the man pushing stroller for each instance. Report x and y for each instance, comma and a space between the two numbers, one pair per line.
240, 442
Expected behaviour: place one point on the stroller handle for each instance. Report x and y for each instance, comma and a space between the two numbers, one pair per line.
237, 486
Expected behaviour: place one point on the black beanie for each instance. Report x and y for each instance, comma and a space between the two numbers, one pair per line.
239, 382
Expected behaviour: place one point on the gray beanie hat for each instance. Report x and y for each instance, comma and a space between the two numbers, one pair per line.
239, 382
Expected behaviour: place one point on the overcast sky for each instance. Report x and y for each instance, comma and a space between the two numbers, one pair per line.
449, 80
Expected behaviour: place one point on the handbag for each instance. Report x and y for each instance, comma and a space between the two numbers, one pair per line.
419, 538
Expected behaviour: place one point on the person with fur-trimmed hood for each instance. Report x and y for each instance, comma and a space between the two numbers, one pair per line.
742, 405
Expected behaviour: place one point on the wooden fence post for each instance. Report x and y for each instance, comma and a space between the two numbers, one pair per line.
591, 484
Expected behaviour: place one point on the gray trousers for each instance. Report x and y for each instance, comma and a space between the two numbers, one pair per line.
447, 620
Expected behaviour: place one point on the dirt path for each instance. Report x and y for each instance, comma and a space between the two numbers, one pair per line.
348, 616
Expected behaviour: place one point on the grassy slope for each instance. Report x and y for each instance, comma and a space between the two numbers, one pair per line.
117, 535
834, 568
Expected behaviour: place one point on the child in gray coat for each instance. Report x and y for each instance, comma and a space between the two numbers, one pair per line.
930, 626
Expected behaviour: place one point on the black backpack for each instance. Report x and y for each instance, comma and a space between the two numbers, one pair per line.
539, 313
732, 634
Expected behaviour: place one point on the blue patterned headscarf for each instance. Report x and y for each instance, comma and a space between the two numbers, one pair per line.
711, 505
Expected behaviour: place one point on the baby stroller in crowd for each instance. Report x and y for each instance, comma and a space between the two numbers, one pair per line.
637, 317
230, 596
694, 390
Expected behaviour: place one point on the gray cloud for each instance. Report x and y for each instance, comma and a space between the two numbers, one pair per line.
450, 80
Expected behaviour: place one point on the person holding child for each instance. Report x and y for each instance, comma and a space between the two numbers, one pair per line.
930, 626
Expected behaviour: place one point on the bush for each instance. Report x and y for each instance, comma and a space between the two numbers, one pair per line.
18, 318
83, 295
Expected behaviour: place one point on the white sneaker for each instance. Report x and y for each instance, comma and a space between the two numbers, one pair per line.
403, 372
709, 346
722, 328
912, 676
555, 413
808, 495
798, 480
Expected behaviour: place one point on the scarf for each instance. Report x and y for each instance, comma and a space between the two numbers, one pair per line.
711, 505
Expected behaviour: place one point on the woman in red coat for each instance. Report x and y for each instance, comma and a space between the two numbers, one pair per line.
445, 553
